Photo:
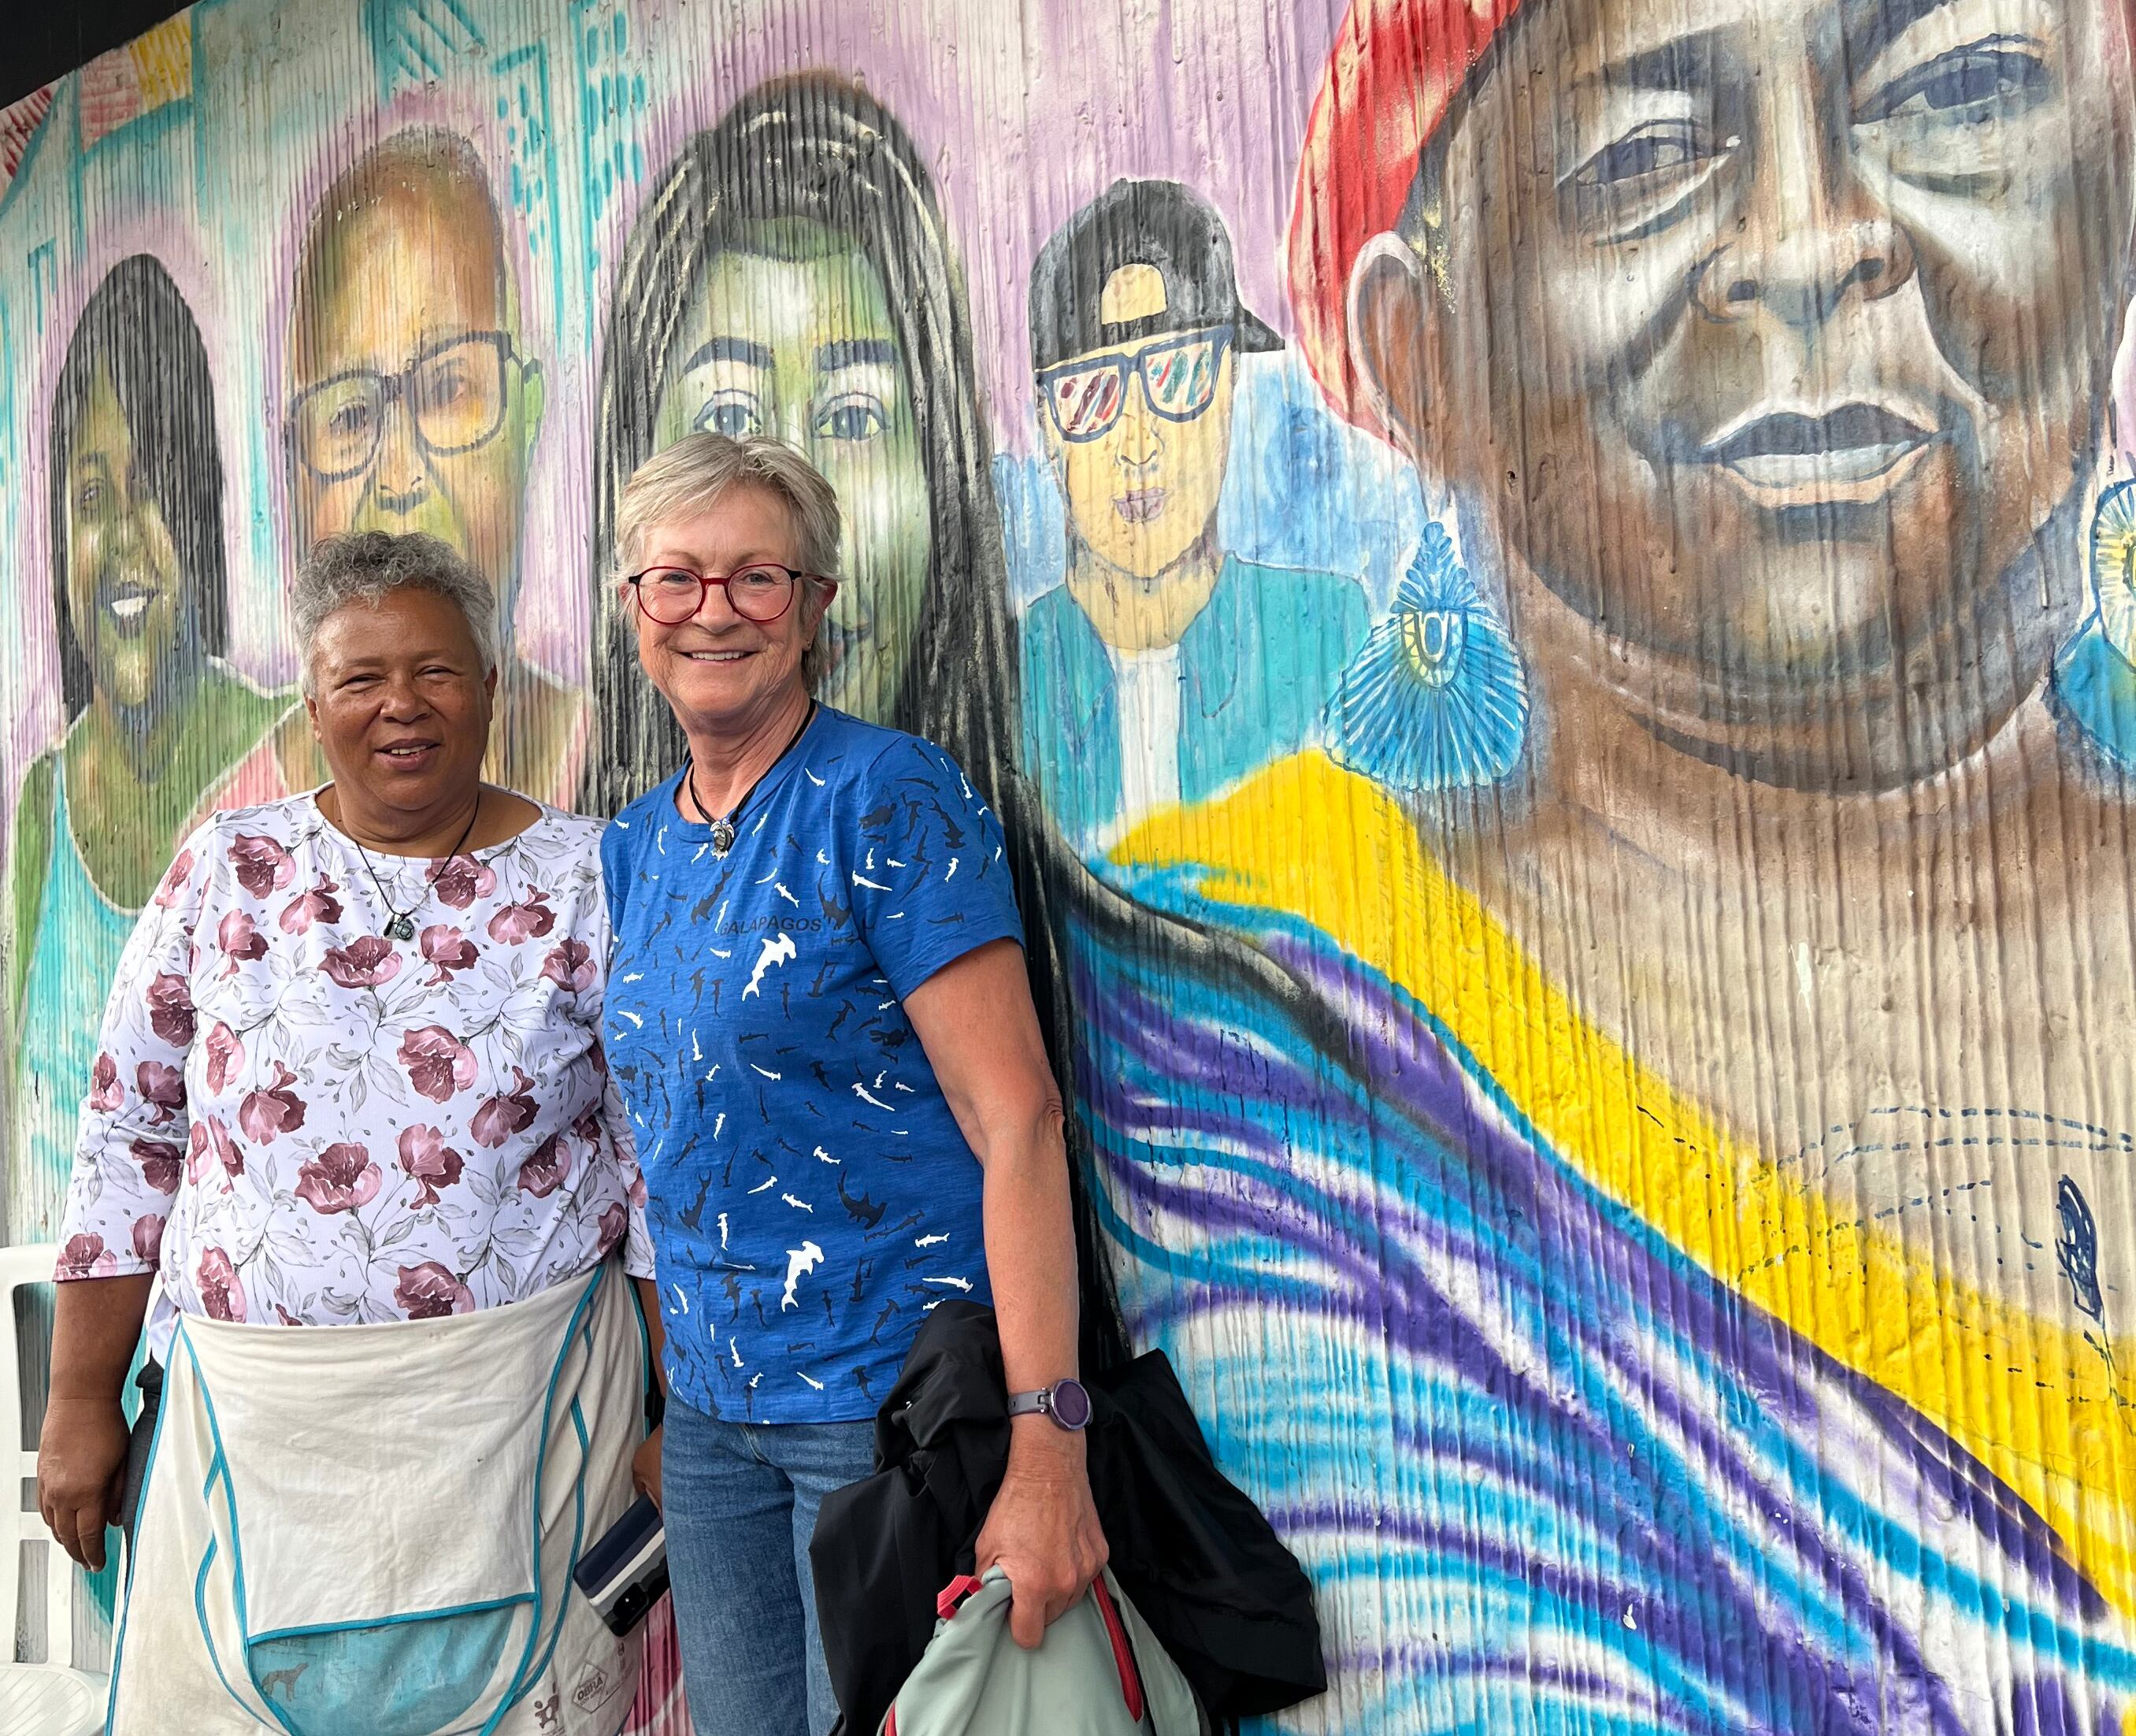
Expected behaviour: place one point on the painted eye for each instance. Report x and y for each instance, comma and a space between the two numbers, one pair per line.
1967, 87
855, 416
733, 413
1663, 148
89, 497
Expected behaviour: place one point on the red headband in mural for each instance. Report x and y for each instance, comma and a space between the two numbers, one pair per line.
1394, 69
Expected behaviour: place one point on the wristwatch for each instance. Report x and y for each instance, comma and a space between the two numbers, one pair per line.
1065, 1402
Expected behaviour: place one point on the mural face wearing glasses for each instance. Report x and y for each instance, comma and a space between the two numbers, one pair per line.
788, 333
411, 405
1166, 667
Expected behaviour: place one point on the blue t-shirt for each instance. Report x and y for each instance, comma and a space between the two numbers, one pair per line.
809, 1193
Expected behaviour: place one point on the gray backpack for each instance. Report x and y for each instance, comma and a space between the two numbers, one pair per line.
1100, 1672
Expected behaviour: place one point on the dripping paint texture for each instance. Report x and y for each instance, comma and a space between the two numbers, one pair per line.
1546, 590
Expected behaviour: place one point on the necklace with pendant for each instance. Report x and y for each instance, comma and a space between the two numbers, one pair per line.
402, 927
724, 832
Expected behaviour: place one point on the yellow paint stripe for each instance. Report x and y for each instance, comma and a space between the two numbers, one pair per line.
164, 61
2039, 1404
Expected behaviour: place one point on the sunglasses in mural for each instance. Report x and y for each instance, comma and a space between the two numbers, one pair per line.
454, 393
1085, 396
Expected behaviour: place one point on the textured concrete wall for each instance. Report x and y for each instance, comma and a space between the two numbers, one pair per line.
1559, 581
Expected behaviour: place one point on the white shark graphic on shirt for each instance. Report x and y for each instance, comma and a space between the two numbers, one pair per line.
779, 950
800, 1262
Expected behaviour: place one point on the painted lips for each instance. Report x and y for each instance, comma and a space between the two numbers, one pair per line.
1139, 506
1854, 454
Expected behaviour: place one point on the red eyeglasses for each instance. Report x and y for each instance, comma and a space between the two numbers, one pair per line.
761, 593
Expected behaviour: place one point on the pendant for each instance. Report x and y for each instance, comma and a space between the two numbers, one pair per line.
723, 837
400, 928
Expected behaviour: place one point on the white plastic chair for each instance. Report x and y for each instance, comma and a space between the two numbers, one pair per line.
53, 1697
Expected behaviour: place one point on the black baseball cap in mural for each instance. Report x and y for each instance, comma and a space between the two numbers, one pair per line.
1141, 259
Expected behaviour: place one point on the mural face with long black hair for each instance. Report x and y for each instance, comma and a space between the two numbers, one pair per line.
153, 713
789, 332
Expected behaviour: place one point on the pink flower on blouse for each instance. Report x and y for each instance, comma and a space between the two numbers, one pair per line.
239, 939
174, 877
161, 1087
448, 949
527, 922
569, 966
208, 1134
438, 1063
161, 1162
86, 1257
462, 881
615, 1221
428, 1292
221, 1294
263, 1114
543, 1173
148, 1238
263, 866
362, 964
104, 1095
505, 1114
170, 1009
225, 1056
340, 1179
319, 905
429, 1162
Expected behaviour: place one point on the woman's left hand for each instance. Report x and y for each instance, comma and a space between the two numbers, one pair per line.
1042, 1530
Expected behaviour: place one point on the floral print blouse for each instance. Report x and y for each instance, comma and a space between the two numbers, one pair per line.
299, 1120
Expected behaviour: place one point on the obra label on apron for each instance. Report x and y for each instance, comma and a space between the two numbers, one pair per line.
373, 1529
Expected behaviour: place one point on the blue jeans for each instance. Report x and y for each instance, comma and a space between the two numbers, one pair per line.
739, 1500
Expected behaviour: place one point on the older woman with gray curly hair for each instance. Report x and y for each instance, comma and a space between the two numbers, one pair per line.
350, 1075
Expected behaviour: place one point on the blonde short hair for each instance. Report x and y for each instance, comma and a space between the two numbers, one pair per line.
699, 469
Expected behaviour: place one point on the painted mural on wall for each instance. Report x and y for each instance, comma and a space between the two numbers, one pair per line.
1550, 586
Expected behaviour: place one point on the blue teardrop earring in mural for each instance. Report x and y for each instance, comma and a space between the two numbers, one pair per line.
1437, 699
2096, 676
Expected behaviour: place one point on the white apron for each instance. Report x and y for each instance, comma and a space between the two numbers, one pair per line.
369, 1530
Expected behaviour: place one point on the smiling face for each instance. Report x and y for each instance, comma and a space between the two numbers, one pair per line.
1144, 492
1787, 326
804, 349
400, 703
719, 671
398, 284
127, 600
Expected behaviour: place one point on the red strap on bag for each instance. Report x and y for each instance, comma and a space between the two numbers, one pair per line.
952, 1596
1123, 1654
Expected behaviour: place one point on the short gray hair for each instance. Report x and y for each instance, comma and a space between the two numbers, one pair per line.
368, 567
692, 474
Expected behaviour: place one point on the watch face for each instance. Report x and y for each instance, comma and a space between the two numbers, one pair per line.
1071, 1404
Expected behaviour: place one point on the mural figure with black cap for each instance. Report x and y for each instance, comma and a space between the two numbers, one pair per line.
1166, 668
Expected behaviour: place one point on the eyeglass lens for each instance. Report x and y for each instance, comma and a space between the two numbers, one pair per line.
455, 395
1178, 380
672, 594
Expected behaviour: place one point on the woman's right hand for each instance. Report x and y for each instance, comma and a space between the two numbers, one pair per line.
81, 1473
645, 1466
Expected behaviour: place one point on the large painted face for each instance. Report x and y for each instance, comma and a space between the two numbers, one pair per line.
801, 346
408, 290
719, 671
127, 600
1773, 338
1142, 488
